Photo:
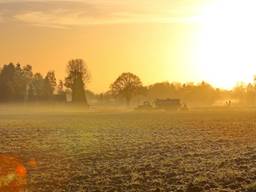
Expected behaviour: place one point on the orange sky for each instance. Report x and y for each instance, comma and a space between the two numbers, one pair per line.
157, 40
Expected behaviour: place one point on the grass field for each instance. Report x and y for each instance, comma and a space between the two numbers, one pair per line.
134, 151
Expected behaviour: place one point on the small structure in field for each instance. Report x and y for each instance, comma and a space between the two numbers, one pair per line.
168, 104
184, 107
163, 104
145, 106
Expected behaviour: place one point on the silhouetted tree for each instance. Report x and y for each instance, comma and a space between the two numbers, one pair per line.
36, 89
127, 85
49, 85
6, 82
78, 76
14, 81
27, 76
19, 83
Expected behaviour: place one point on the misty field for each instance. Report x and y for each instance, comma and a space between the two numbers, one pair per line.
134, 151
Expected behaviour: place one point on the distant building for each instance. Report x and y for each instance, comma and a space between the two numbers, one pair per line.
145, 106
168, 104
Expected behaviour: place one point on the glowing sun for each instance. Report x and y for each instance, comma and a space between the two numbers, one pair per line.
227, 42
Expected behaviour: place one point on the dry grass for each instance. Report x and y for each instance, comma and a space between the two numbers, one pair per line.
194, 151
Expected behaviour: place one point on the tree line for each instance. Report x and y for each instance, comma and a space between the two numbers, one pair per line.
19, 83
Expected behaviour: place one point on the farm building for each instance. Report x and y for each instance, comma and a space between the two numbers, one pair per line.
145, 106
168, 104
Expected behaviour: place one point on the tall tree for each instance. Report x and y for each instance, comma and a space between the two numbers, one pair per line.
49, 85
14, 81
78, 76
36, 89
7, 77
127, 85
27, 76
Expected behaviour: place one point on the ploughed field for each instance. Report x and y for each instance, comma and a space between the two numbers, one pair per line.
134, 151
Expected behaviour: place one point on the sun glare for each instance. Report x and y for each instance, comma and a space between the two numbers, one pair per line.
227, 44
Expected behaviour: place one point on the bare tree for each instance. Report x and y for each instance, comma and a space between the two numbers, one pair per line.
127, 85
78, 77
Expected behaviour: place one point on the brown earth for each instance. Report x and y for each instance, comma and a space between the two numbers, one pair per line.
183, 152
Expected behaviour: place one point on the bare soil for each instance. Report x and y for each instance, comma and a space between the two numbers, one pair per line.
134, 151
